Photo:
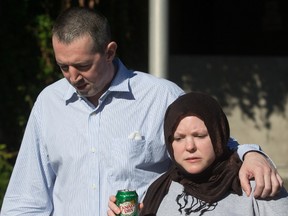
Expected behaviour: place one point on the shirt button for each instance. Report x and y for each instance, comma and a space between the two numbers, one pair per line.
93, 186
93, 150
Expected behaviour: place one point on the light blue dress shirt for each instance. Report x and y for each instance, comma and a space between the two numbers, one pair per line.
74, 155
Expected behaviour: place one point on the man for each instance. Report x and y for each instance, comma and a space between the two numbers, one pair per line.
99, 129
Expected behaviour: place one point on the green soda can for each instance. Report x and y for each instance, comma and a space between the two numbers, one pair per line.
127, 201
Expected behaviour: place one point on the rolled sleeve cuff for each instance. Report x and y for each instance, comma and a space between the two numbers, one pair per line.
245, 148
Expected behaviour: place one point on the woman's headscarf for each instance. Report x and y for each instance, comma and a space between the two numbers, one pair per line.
221, 177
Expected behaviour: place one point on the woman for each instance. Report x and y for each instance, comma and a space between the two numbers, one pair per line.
203, 179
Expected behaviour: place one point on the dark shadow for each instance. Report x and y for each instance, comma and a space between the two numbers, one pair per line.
249, 82
234, 50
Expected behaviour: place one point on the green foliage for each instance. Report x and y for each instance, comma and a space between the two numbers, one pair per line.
28, 65
42, 33
5, 169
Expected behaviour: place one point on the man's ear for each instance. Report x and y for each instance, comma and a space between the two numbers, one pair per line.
111, 50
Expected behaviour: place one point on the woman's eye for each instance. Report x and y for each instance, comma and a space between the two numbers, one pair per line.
177, 138
201, 135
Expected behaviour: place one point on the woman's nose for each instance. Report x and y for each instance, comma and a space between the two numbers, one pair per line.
190, 145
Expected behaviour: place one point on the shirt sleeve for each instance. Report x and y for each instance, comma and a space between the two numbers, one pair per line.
29, 190
245, 148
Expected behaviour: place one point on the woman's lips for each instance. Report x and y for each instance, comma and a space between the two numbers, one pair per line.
193, 159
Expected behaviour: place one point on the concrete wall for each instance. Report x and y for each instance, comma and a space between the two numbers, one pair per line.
253, 92
274, 141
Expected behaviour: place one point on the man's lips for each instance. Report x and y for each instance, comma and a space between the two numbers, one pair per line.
81, 87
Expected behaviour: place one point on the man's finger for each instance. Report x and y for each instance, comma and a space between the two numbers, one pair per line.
259, 183
275, 186
277, 183
113, 208
245, 182
110, 213
280, 180
267, 189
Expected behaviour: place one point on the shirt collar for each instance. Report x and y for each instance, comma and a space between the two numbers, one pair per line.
120, 83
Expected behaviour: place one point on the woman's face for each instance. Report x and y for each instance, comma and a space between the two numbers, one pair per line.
192, 146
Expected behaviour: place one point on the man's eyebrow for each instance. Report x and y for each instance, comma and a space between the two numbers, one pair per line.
81, 64
59, 63
75, 64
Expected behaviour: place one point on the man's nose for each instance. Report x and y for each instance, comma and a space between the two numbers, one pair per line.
74, 74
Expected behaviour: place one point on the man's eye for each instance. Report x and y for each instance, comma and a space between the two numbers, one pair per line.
64, 68
83, 67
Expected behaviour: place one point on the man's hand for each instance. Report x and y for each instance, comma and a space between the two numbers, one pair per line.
114, 209
257, 166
